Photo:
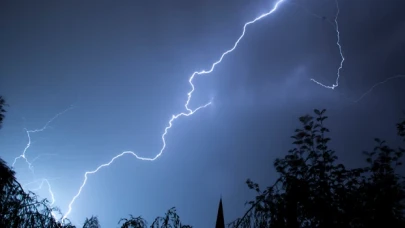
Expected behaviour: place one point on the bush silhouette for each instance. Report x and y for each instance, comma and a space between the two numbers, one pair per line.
21, 209
2, 110
170, 220
314, 190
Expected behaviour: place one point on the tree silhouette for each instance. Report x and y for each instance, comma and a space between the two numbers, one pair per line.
91, 222
170, 220
21, 209
133, 222
2, 110
314, 190
7, 176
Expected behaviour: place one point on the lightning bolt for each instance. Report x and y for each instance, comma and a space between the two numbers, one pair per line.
30, 166
174, 117
29, 132
333, 86
378, 84
335, 25
43, 181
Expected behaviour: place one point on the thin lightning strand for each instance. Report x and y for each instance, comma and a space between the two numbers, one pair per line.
335, 25
333, 86
378, 84
39, 180
174, 117
50, 193
23, 155
39, 156
44, 180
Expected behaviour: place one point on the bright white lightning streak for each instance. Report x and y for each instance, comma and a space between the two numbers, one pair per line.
333, 86
378, 84
40, 187
174, 117
44, 180
50, 192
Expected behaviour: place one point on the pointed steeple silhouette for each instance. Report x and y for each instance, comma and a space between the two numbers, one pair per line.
220, 216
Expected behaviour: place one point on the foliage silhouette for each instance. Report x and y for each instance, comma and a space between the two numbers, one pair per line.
314, 190
91, 222
2, 110
7, 176
133, 222
170, 220
21, 209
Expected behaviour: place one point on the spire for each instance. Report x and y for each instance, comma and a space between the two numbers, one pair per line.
220, 216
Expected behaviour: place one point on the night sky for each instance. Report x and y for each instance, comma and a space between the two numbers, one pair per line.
124, 67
